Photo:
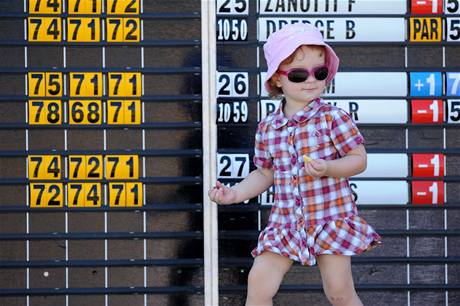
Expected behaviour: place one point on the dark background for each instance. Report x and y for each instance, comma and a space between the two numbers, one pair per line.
172, 158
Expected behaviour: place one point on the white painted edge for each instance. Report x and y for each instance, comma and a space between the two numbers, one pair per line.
209, 130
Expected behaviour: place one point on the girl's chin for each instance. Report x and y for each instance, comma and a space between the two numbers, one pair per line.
309, 95
305, 98
306, 95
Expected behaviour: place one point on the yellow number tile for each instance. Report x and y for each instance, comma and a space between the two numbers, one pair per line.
122, 7
46, 195
94, 167
75, 195
134, 194
85, 111
44, 167
45, 6
132, 110
86, 84
42, 112
47, 29
117, 195
83, 29
84, 7
93, 195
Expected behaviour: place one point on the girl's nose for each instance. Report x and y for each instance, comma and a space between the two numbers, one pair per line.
311, 78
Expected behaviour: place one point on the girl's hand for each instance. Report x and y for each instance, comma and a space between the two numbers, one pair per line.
316, 167
222, 194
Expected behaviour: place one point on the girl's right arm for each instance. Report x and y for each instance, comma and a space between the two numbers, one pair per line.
254, 184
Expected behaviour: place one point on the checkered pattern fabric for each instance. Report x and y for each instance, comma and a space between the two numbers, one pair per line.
310, 216
347, 236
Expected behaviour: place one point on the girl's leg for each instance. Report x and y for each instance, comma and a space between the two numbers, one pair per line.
265, 278
337, 280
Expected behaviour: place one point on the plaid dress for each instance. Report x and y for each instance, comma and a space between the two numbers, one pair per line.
310, 216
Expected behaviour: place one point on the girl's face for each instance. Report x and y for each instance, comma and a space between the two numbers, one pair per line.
308, 58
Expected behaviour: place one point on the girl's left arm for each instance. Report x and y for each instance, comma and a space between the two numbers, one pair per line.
354, 162
351, 164
349, 144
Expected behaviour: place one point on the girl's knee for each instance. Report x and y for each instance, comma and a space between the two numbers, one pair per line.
337, 279
339, 293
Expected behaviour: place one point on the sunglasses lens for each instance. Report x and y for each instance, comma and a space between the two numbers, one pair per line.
298, 75
321, 73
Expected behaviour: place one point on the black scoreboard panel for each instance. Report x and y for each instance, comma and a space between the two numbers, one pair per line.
101, 153
385, 48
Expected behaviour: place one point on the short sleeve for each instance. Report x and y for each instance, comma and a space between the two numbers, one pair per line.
262, 158
344, 132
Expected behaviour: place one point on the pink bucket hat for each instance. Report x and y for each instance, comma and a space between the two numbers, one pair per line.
282, 43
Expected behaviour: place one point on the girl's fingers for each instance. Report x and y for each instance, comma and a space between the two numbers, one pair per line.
313, 164
312, 170
210, 191
218, 192
218, 196
316, 165
213, 195
213, 191
319, 166
309, 168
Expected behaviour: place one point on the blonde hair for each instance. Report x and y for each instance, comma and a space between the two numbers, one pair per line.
277, 92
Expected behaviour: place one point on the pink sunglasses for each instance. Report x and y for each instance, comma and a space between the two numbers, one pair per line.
299, 75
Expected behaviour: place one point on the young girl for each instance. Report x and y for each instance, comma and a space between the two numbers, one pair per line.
307, 149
